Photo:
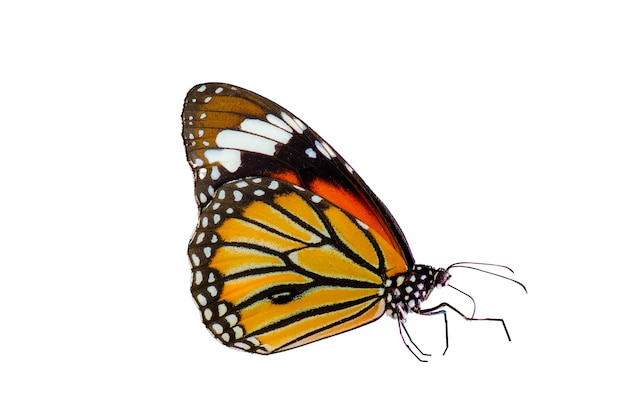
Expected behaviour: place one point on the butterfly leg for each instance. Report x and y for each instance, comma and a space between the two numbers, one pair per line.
440, 309
402, 329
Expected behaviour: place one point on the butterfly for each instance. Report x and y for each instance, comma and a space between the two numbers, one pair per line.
291, 245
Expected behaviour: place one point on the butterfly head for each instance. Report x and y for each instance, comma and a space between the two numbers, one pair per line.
429, 278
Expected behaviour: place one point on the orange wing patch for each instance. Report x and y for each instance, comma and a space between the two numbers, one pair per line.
238, 290
232, 259
271, 217
263, 314
330, 262
287, 176
350, 318
356, 206
235, 230
286, 267
352, 235
319, 326
301, 209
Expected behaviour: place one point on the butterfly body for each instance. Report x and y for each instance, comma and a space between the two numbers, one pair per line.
291, 245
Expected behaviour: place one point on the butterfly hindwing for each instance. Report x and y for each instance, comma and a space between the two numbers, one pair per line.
276, 266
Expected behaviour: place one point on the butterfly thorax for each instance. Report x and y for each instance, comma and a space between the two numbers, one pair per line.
405, 293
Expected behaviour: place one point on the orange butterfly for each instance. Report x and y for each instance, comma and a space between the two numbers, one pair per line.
291, 245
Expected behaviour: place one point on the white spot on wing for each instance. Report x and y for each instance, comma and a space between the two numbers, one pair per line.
201, 299
231, 319
292, 122
240, 140
229, 159
362, 224
238, 332
300, 124
202, 173
329, 149
202, 88
265, 129
279, 123
310, 153
254, 341
322, 149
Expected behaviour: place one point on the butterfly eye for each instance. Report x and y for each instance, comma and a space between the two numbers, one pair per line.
441, 277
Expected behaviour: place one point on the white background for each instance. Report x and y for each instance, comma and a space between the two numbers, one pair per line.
492, 130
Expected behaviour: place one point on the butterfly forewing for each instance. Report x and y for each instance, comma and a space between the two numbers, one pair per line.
276, 266
231, 133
